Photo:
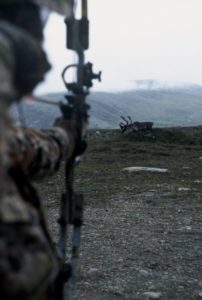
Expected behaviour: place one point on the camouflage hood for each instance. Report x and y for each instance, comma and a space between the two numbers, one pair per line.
60, 6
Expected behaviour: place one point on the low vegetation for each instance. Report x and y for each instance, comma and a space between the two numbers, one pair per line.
142, 231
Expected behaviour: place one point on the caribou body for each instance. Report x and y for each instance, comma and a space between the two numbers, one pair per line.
143, 125
131, 126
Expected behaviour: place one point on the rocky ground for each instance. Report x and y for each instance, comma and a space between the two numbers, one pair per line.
142, 237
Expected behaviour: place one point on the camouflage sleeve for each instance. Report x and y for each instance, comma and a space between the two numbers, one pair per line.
27, 261
7, 67
40, 152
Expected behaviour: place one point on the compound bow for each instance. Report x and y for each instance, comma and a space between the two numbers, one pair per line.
76, 110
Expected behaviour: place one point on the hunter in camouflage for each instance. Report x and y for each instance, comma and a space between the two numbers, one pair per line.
28, 264
60, 6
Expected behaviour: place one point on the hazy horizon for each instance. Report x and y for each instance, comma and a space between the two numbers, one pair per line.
130, 41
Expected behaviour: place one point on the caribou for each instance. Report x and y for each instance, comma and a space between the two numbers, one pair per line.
131, 126
143, 125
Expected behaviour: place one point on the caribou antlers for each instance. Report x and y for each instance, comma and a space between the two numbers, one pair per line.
123, 126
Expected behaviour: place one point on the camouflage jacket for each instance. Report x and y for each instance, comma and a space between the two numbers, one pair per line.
39, 152
28, 262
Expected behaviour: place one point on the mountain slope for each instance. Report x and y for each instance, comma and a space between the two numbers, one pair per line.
165, 107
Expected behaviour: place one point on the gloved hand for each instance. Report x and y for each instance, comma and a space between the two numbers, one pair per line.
71, 132
66, 125
70, 128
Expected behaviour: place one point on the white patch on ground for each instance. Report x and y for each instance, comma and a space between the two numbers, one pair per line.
183, 189
146, 169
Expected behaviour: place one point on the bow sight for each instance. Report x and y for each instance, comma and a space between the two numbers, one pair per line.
78, 40
88, 77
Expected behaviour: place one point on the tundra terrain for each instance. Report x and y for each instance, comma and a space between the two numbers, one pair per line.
142, 233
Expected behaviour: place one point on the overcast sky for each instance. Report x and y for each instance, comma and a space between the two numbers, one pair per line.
134, 40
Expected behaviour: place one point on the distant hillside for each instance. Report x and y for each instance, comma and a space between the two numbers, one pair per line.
165, 107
